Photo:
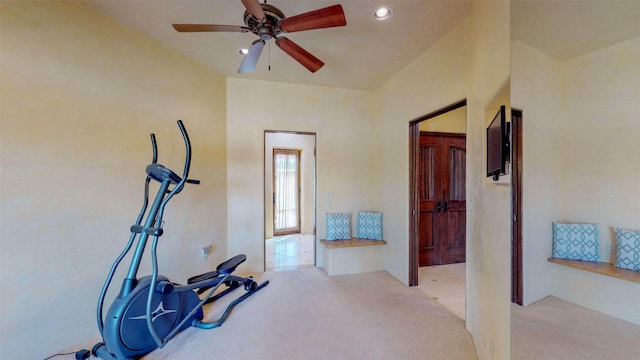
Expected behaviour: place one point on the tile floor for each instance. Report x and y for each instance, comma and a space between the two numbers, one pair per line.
446, 285
289, 252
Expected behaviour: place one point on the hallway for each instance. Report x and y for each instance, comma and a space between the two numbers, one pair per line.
446, 285
289, 252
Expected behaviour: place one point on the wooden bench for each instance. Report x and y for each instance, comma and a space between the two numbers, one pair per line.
352, 256
602, 268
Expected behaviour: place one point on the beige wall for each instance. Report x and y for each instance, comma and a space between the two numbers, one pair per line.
80, 95
488, 204
601, 146
601, 172
580, 156
342, 120
373, 129
472, 61
537, 89
437, 78
454, 121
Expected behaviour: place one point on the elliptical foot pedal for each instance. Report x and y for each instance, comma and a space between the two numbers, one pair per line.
202, 277
230, 265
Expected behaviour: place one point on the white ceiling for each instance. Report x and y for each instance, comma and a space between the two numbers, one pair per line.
362, 55
365, 54
566, 29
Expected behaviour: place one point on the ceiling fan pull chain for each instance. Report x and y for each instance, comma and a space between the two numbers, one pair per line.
265, 1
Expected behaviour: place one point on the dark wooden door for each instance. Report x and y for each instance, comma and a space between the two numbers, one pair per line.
442, 200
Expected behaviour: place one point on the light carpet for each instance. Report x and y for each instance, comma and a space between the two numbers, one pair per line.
305, 314
556, 329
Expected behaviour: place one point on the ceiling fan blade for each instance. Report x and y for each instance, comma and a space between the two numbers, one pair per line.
331, 16
301, 55
205, 27
251, 59
254, 8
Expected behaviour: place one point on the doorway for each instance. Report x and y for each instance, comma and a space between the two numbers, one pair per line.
437, 225
289, 200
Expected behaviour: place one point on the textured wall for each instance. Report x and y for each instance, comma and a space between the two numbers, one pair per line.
80, 95
345, 162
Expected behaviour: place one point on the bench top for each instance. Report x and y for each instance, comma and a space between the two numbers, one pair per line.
603, 268
353, 242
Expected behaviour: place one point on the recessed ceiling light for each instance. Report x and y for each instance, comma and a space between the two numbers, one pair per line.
383, 13
243, 51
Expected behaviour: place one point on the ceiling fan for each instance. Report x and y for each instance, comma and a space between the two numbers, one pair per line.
268, 22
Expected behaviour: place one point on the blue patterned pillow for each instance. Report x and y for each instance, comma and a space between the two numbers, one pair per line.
576, 242
339, 226
627, 249
369, 225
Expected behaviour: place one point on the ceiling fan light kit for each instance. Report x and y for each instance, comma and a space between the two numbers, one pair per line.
268, 22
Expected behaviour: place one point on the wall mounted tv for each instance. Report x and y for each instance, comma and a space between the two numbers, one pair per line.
497, 145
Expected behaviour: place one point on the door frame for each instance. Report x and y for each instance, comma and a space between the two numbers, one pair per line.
516, 207
315, 191
414, 141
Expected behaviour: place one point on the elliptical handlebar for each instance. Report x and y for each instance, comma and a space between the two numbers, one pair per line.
160, 173
187, 144
154, 146
187, 163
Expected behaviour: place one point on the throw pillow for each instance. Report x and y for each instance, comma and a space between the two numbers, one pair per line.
369, 225
576, 242
627, 249
339, 226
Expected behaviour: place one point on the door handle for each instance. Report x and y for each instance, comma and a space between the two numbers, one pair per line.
444, 209
438, 206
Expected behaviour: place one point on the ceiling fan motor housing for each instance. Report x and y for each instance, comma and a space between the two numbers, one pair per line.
267, 28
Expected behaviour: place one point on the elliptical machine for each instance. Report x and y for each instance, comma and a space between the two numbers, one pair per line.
149, 311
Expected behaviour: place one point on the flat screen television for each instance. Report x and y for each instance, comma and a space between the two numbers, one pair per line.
497, 145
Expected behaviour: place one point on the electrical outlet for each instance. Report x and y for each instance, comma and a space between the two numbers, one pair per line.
205, 252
